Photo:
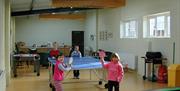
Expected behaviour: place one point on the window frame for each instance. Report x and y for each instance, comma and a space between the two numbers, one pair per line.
166, 33
123, 31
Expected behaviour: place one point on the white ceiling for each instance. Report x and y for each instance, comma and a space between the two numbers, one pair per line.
22, 5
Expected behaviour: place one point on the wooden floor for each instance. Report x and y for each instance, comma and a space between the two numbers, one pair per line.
28, 81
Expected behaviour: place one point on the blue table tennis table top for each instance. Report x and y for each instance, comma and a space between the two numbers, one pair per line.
81, 63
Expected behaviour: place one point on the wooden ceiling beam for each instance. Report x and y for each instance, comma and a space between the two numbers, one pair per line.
63, 16
88, 3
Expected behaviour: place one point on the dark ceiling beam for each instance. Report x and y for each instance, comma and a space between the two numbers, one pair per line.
53, 10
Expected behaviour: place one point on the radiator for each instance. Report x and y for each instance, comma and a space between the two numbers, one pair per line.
129, 59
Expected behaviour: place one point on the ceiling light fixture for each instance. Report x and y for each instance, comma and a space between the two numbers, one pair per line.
53, 13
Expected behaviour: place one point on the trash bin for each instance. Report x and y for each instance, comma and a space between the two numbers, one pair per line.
174, 75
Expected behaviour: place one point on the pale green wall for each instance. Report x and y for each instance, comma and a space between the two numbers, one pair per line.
109, 20
90, 26
31, 29
7, 41
2, 32
2, 45
12, 34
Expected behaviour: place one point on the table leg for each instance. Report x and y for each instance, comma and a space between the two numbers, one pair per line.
35, 65
67, 73
90, 74
38, 67
14, 68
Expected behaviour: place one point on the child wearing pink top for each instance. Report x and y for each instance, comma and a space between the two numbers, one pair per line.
59, 69
115, 71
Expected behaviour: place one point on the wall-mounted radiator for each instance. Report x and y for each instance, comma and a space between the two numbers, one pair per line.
129, 59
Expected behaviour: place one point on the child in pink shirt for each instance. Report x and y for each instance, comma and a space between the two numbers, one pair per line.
115, 71
59, 69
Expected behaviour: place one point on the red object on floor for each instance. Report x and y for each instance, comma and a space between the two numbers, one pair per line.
162, 74
126, 68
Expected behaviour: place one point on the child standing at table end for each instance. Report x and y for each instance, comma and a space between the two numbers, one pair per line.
59, 69
76, 53
115, 71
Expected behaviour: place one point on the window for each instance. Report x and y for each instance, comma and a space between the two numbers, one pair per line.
128, 29
157, 25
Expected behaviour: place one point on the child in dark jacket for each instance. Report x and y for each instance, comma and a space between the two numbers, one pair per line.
76, 53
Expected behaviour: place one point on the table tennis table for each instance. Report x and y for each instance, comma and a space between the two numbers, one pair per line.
90, 63
26, 57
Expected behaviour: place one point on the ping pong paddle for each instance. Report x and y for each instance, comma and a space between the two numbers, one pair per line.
70, 60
